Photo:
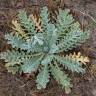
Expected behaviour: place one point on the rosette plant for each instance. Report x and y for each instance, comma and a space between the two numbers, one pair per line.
44, 51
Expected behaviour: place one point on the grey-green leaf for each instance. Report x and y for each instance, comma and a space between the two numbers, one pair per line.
43, 77
60, 77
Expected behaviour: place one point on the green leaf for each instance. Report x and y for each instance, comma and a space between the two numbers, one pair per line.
44, 17
60, 77
30, 65
12, 57
16, 41
47, 60
38, 38
72, 40
26, 22
70, 64
43, 78
51, 34
54, 49
64, 21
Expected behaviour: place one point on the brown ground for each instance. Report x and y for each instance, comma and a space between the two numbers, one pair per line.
16, 85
